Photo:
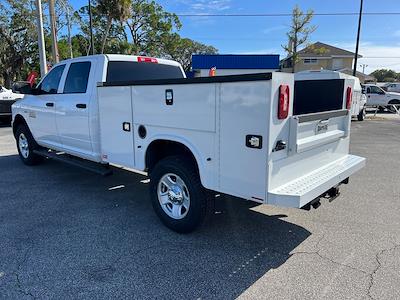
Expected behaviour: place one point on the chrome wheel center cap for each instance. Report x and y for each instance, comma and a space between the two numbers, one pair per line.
175, 194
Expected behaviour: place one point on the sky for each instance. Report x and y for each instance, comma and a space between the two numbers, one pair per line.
380, 34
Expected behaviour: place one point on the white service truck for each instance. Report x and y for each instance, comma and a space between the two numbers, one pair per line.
251, 136
377, 97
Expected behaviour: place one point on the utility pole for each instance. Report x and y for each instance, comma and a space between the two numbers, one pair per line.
363, 66
53, 31
91, 29
42, 49
358, 39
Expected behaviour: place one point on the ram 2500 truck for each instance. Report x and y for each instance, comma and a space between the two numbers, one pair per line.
260, 137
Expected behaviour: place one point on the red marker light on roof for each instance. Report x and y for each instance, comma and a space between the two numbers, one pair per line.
283, 108
147, 59
349, 97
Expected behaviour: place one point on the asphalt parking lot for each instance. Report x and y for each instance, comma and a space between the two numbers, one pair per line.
66, 233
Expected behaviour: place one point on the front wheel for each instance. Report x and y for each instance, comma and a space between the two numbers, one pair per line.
178, 197
25, 145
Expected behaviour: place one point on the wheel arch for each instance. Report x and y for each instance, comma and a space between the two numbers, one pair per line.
394, 101
18, 120
163, 146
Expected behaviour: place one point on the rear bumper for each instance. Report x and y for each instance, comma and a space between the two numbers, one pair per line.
306, 188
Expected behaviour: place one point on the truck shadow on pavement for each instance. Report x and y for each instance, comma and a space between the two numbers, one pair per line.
68, 233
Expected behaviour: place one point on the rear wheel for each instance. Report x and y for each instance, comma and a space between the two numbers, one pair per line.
178, 197
361, 115
26, 145
392, 109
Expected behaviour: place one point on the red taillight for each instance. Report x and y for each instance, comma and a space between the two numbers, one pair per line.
349, 97
283, 108
147, 59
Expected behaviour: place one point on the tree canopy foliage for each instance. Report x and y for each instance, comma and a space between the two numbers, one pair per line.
300, 31
384, 75
137, 27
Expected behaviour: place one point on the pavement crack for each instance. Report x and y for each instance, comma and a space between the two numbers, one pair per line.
378, 266
20, 287
318, 253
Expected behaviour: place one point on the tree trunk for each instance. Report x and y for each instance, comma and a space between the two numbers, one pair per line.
103, 44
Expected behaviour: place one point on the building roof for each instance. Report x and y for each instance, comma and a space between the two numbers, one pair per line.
319, 49
235, 61
362, 75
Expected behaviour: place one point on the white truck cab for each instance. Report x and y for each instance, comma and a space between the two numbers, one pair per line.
377, 97
260, 137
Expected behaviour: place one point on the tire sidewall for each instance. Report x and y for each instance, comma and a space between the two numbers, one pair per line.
32, 159
197, 209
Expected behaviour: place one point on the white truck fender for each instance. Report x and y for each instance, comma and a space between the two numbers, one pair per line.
203, 172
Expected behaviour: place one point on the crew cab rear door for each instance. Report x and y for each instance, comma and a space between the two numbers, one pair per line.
73, 105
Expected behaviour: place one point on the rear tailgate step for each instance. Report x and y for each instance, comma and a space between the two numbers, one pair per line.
97, 168
306, 188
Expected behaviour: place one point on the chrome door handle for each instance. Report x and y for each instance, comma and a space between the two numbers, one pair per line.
49, 104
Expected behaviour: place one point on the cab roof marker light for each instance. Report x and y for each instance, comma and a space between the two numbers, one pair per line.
147, 59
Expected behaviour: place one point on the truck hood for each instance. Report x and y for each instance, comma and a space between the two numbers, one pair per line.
393, 94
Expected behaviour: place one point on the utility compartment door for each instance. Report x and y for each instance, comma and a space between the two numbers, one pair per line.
116, 125
182, 106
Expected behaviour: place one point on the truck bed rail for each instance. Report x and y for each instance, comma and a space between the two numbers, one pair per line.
215, 79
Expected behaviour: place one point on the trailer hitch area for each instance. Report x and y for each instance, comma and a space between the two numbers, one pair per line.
314, 204
330, 194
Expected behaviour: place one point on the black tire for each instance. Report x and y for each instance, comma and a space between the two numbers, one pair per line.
361, 115
391, 109
186, 170
31, 158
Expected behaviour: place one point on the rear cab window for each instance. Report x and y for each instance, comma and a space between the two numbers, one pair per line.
77, 78
119, 71
314, 96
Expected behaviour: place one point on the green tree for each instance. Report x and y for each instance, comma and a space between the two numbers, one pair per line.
149, 26
18, 33
113, 10
182, 49
384, 75
116, 33
300, 31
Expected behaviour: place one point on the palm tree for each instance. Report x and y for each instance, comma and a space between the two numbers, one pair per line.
113, 10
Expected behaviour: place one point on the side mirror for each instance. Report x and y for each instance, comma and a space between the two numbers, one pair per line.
23, 87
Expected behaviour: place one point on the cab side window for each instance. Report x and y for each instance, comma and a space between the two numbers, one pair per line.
50, 83
77, 78
375, 90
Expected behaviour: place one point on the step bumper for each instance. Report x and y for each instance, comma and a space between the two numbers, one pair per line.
306, 188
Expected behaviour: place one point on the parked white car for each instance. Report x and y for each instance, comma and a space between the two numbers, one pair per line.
393, 87
377, 97
251, 136
7, 98
359, 100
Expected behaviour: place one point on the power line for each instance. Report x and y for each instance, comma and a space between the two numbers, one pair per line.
290, 14
279, 14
